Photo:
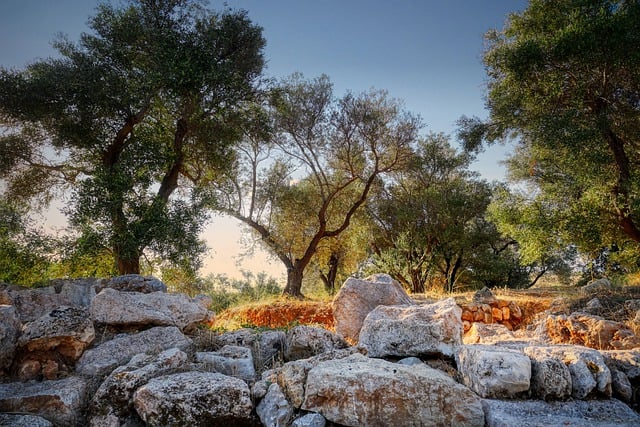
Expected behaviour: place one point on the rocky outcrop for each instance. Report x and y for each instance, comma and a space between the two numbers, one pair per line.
303, 342
357, 298
194, 398
588, 330
103, 358
416, 330
112, 307
359, 391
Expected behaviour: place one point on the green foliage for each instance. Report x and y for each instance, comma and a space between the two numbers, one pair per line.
132, 120
25, 253
564, 81
227, 292
432, 230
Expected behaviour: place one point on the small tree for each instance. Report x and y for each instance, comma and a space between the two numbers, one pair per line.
320, 158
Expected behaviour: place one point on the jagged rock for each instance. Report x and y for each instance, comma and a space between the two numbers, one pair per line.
588, 330
9, 331
113, 399
417, 330
67, 330
621, 385
15, 420
79, 292
626, 361
494, 372
358, 391
267, 347
577, 413
194, 398
303, 342
292, 376
274, 410
113, 307
550, 377
599, 285
118, 351
134, 283
483, 333
32, 304
310, 420
230, 360
356, 298
589, 373
58, 401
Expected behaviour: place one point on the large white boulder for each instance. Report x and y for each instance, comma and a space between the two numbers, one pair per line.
415, 330
113, 307
494, 372
356, 298
194, 399
360, 391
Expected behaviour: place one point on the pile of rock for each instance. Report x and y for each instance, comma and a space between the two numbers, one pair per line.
488, 309
410, 366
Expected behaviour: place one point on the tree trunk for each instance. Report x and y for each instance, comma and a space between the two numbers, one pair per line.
128, 266
329, 279
294, 282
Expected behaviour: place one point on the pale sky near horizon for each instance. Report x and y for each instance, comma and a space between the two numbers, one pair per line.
425, 52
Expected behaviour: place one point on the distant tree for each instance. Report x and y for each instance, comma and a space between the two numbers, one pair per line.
564, 81
131, 120
432, 226
25, 252
316, 161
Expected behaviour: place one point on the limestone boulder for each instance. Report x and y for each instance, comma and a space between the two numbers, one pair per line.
303, 342
103, 358
588, 330
230, 360
66, 330
267, 347
357, 298
292, 376
359, 391
494, 372
32, 303
274, 410
626, 361
59, 401
413, 330
602, 285
550, 377
590, 376
120, 308
621, 385
114, 398
194, 398
134, 283
9, 331
79, 292
576, 413
16, 420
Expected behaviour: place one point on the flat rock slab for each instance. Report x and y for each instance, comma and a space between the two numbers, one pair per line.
578, 413
360, 391
118, 351
58, 401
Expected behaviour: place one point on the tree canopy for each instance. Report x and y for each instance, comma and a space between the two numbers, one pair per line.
564, 81
131, 120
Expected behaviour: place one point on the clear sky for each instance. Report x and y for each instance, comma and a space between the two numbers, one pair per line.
426, 52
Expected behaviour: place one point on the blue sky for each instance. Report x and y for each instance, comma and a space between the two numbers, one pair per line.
425, 52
